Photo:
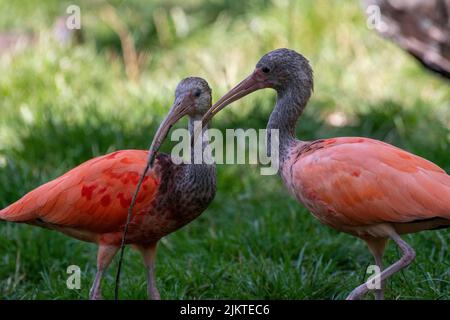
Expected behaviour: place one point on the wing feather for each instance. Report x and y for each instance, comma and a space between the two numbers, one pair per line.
93, 196
366, 181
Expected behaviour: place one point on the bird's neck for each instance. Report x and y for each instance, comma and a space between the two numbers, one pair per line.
201, 146
202, 167
289, 107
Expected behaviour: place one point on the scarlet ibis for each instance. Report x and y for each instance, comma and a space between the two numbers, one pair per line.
360, 186
90, 202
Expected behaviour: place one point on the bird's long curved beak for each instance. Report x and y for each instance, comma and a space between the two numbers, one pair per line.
179, 109
257, 80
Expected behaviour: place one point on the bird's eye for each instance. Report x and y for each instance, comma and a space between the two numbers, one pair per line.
197, 93
265, 69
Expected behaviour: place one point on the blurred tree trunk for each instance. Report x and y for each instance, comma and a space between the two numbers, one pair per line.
421, 27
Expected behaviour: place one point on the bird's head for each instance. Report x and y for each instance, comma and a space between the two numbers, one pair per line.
195, 93
279, 69
192, 98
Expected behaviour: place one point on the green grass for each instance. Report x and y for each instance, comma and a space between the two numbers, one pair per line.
60, 106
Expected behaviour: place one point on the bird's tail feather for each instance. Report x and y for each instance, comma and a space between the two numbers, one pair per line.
2, 214
8, 213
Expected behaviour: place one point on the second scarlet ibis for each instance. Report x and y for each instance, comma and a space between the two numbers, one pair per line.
361, 186
90, 202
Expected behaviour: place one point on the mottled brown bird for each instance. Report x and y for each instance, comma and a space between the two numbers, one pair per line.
90, 202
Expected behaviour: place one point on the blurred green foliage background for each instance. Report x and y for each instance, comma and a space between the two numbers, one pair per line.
64, 103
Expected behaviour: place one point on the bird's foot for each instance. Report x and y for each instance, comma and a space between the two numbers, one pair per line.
358, 293
95, 295
153, 294
379, 294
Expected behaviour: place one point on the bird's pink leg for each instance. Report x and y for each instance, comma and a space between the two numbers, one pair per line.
149, 255
405, 260
104, 257
379, 293
377, 246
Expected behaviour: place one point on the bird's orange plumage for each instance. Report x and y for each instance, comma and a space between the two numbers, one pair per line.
360, 182
361, 186
93, 197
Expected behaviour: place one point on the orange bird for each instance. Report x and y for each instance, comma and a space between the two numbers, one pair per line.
90, 202
364, 187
